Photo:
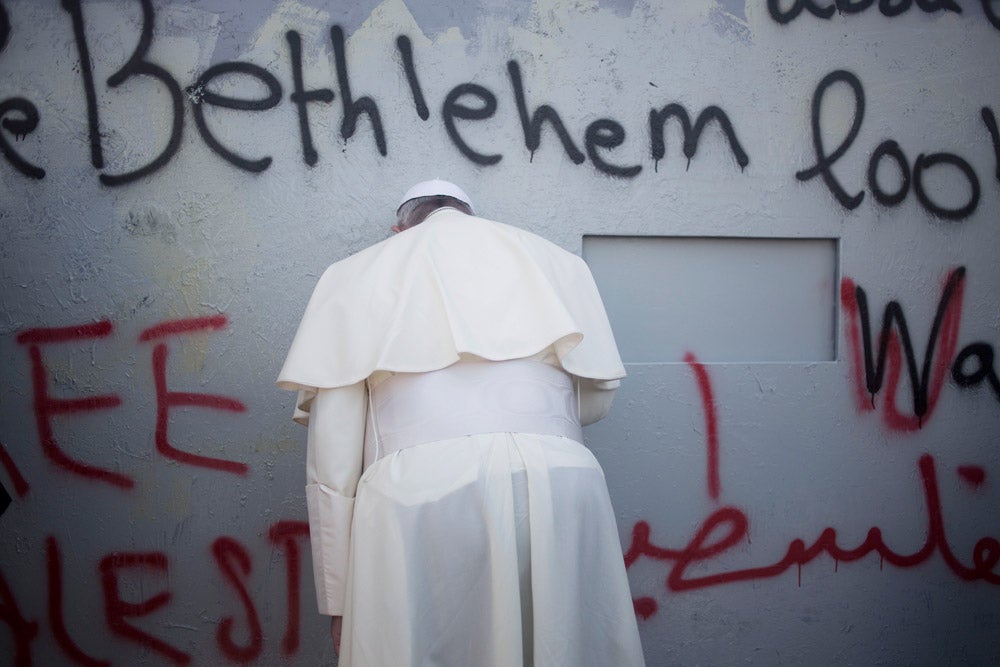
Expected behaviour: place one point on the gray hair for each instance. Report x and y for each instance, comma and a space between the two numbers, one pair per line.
413, 211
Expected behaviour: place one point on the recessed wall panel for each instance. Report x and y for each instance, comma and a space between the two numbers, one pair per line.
721, 299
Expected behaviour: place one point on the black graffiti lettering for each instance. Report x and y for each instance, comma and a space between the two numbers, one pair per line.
87, 74
532, 126
137, 66
657, 120
354, 107
301, 98
991, 14
889, 9
991, 127
931, 6
825, 162
787, 16
406, 53
853, 6
919, 379
817, 10
925, 162
600, 137
887, 149
451, 109
19, 127
983, 354
200, 96
606, 133
886, 7
4, 27
892, 150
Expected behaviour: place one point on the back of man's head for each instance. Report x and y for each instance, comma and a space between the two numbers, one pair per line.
426, 197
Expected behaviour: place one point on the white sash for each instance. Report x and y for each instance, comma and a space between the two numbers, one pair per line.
470, 397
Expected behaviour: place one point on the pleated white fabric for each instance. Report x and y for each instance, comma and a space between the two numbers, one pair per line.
436, 577
493, 548
453, 284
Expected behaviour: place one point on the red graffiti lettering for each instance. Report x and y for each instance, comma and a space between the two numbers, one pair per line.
46, 406
20, 485
728, 526
188, 325
868, 368
711, 424
24, 631
53, 561
286, 534
228, 554
117, 611
166, 399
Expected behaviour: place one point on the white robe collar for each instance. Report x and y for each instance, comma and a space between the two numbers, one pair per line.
453, 284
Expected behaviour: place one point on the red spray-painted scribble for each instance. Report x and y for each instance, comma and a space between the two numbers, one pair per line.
21, 486
117, 611
711, 423
24, 631
229, 554
166, 399
286, 534
53, 560
893, 341
973, 475
46, 406
947, 346
728, 526
849, 302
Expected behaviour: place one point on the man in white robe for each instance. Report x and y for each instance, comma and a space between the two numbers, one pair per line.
455, 517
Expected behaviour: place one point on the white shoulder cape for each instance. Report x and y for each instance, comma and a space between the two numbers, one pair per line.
452, 285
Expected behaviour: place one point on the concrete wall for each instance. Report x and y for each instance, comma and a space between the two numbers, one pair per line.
168, 201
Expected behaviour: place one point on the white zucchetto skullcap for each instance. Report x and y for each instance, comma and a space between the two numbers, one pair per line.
435, 187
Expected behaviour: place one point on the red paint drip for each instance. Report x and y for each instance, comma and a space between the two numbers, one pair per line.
286, 534
973, 475
711, 423
20, 485
188, 325
117, 611
644, 607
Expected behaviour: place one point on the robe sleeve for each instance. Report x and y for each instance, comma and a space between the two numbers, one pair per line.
595, 399
336, 421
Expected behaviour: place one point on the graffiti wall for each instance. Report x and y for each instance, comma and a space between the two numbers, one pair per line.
791, 208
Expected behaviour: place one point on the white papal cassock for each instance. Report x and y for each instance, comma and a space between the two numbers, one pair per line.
455, 517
